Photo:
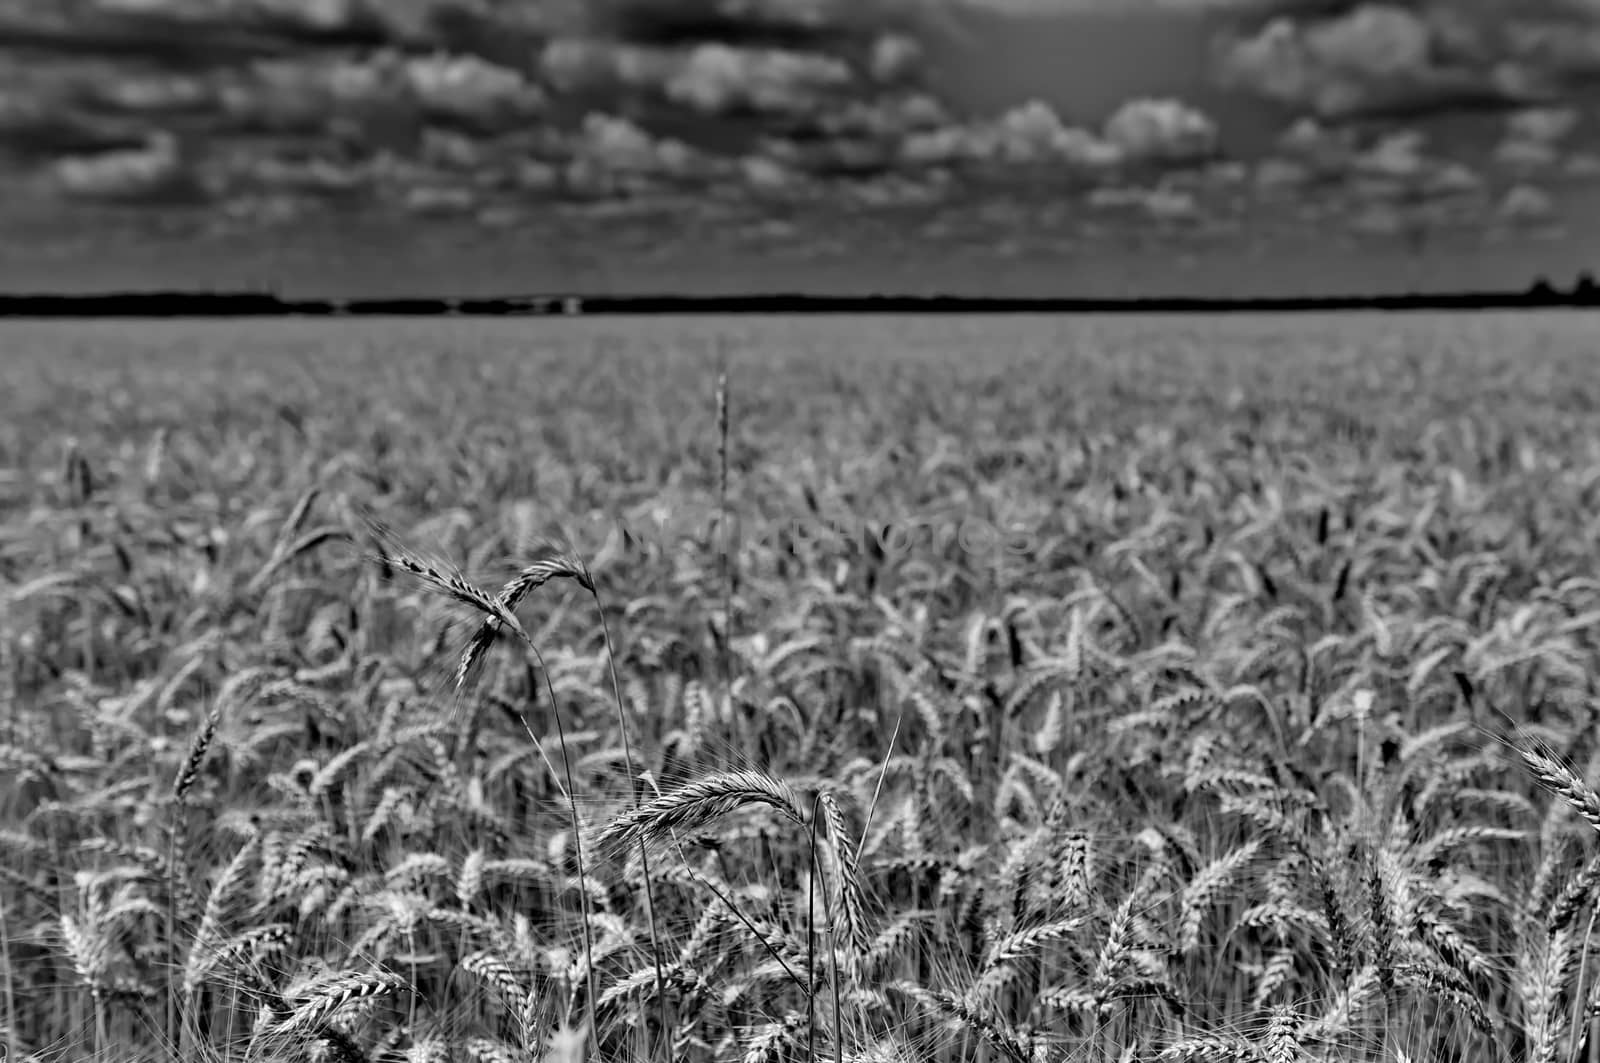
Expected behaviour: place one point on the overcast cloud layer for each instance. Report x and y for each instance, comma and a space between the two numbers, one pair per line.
272, 116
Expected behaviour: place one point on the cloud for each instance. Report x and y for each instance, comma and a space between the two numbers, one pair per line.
306, 93
1582, 165
199, 33
154, 93
1526, 155
154, 172
452, 106
1382, 181
1320, 147
895, 59
1339, 59
1161, 130
718, 79
1140, 131
469, 89
330, 69
316, 177
437, 200
710, 78
383, 97
1533, 138
767, 174
1274, 174
1164, 203
1373, 59
1526, 205
1453, 179
886, 117
1388, 161
1547, 125
1030, 134
1397, 155
43, 127
612, 155
1561, 48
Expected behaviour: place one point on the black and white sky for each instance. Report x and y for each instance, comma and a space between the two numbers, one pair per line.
978, 146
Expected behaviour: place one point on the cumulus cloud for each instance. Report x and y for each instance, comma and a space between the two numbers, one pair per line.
1351, 58
305, 92
1318, 147
1382, 181
1533, 138
612, 155
154, 172
1148, 129
886, 118
895, 58
767, 174
1526, 205
1140, 131
1035, 133
1397, 154
1029, 133
1559, 47
311, 176
1387, 162
1453, 179
377, 92
1547, 124
620, 145
711, 78
469, 89
717, 79
154, 93
1375, 58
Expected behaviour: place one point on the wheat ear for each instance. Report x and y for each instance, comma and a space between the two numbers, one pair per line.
697, 805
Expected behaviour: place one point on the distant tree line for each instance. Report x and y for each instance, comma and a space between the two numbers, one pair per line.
1542, 294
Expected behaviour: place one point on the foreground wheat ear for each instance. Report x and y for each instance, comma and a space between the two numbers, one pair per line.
1563, 782
554, 564
698, 804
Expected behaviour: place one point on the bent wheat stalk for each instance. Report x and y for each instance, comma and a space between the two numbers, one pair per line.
497, 612
559, 564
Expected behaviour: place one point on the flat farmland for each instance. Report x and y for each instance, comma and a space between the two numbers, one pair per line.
1015, 690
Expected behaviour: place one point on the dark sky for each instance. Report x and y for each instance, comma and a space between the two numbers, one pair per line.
997, 146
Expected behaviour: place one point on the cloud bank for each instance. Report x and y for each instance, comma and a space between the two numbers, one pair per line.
127, 100
268, 110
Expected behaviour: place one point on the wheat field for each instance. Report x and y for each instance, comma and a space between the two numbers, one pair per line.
903, 691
